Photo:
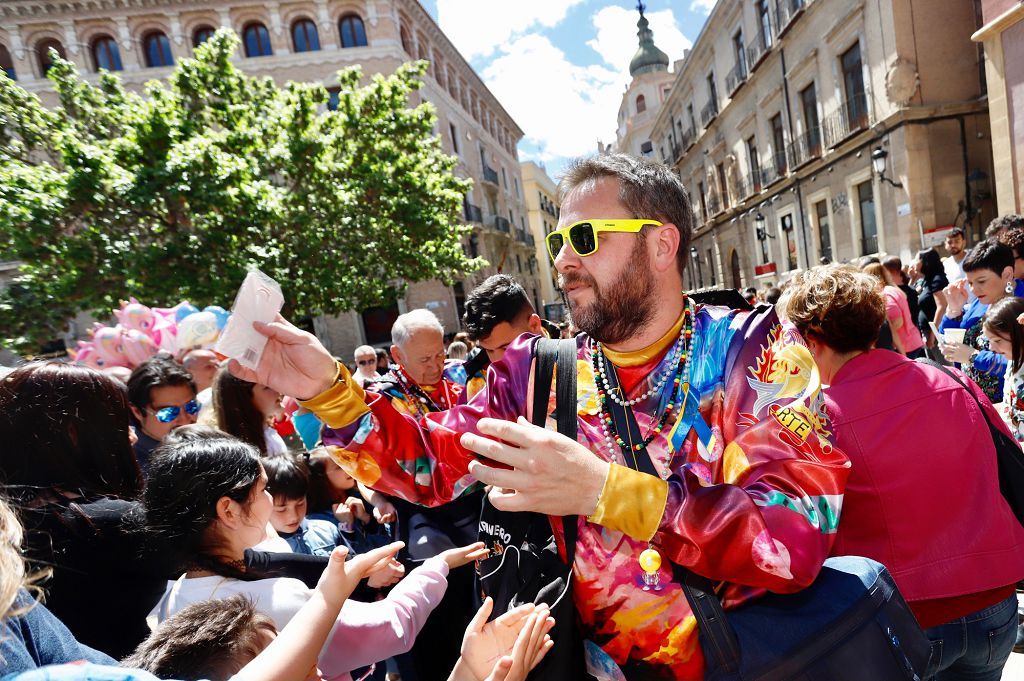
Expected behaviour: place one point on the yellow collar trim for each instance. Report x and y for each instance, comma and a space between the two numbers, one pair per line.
643, 356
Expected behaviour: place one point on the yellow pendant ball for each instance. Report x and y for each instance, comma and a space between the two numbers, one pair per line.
650, 561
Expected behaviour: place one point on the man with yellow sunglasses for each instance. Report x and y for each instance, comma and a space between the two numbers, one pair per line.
699, 440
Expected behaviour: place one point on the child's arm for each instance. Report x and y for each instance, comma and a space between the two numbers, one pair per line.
383, 510
371, 632
294, 652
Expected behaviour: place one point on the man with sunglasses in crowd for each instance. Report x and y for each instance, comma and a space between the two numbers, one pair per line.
162, 396
366, 365
702, 445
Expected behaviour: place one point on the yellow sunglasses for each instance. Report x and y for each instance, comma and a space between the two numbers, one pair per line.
582, 235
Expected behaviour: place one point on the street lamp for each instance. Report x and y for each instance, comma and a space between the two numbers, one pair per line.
878, 157
760, 230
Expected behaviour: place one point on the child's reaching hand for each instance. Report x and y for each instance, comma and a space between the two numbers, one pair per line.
506, 649
464, 554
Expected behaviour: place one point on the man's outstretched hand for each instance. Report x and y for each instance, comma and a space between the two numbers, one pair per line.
294, 363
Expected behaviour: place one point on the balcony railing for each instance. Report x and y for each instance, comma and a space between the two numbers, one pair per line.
490, 175
714, 205
736, 76
775, 170
473, 213
502, 224
530, 241
708, 113
758, 48
853, 115
785, 12
807, 147
689, 138
676, 151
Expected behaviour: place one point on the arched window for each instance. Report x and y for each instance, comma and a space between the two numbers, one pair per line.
157, 49
43, 53
105, 54
7, 64
304, 36
201, 35
641, 104
256, 40
406, 40
353, 33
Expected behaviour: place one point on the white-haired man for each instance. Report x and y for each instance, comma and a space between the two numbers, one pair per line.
366, 365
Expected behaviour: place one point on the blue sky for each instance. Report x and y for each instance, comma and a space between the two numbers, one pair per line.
559, 67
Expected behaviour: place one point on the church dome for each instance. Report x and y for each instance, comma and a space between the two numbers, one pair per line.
648, 57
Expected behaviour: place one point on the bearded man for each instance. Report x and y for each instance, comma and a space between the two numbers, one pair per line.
741, 486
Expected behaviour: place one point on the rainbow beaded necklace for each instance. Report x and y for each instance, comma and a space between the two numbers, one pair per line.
680, 382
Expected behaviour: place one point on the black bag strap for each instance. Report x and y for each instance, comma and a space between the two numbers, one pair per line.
700, 591
561, 353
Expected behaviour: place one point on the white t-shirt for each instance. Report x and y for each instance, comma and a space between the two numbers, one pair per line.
275, 443
954, 269
364, 633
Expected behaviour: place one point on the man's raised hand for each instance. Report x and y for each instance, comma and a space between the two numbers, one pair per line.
294, 363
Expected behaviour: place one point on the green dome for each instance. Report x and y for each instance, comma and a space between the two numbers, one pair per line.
648, 58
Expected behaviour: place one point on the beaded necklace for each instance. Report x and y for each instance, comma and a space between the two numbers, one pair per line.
417, 397
678, 368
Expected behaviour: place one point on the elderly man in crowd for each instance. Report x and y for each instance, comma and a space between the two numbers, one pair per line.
702, 440
366, 365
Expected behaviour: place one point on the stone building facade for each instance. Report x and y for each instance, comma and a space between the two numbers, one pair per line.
1003, 38
782, 108
543, 210
308, 40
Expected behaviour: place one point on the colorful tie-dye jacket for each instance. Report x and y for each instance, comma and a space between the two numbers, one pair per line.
750, 489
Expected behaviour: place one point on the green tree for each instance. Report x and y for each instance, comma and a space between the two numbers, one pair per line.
174, 194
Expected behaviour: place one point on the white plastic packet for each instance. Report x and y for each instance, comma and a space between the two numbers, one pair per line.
258, 300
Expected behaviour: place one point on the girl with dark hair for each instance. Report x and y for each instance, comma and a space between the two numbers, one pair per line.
68, 464
1005, 336
207, 502
989, 268
245, 409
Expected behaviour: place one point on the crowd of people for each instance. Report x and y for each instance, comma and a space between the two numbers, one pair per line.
205, 520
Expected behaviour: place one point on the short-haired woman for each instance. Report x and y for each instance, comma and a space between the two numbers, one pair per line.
989, 269
923, 493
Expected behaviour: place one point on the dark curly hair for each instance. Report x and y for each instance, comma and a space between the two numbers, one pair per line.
1003, 223
499, 299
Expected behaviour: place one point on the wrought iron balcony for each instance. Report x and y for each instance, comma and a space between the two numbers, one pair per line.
530, 241
708, 113
806, 147
785, 12
752, 183
473, 213
502, 224
714, 205
853, 115
689, 138
736, 76
676, 151
758, 48
775, 170
490, 175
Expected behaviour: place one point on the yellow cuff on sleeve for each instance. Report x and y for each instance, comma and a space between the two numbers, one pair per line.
631, 502
340, 405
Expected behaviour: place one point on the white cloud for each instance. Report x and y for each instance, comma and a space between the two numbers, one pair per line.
704, 6
617, 42
563, 108
478, 27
